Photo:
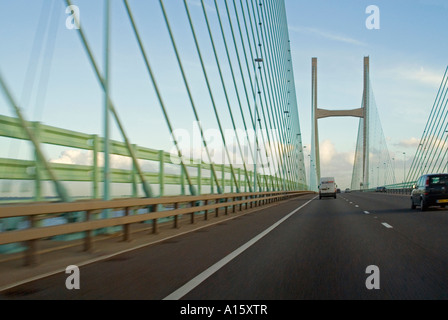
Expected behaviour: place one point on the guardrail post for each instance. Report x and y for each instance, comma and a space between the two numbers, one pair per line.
226, 207
88, 234
30, 254
206, 211
126, 227
176, 217
233, 206
192, 214
217, 209
155, 229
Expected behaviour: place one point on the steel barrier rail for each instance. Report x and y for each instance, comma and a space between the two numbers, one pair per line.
19, 169
36, 211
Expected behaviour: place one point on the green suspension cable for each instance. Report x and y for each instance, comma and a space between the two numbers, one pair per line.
159, 96
146, 187
190, 96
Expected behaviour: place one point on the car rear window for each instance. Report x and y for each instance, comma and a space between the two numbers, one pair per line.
438, 180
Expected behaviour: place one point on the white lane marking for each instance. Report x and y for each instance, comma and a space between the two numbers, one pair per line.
356, 206
387, 225
193, 283
366, 212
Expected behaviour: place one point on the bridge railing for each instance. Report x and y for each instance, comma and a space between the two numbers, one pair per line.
398, 188
406, 191
166, 171
91, 222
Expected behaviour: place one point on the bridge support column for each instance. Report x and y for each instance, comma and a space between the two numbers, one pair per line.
318, 113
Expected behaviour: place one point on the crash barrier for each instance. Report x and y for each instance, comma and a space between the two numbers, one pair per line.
90, 211
406, 191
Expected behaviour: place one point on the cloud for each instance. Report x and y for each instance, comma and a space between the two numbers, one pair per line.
408, 143
327, 152
85, 158
334, 163
327, 35
77, 157
417, 74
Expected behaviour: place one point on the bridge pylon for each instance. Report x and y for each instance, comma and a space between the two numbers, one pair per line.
319, 113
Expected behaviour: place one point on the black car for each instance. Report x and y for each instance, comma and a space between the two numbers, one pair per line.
381, 189
430, 190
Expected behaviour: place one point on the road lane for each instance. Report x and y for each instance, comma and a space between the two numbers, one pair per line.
427, 229
320, 252
195, 282
323, 253
154, 272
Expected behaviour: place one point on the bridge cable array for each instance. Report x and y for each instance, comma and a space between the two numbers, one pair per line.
244, 54
381, 169
431, 154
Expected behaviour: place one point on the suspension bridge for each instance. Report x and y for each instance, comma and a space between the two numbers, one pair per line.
115, 129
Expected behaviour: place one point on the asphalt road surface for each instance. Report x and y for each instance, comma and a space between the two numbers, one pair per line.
304, 248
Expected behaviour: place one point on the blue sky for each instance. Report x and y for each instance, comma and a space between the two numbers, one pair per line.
407, 61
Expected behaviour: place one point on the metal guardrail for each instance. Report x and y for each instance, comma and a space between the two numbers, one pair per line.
35, 211
406, 191
201, 172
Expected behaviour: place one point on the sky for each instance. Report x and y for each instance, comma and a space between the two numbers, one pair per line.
407, 62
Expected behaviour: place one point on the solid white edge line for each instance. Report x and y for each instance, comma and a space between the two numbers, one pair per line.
196, 281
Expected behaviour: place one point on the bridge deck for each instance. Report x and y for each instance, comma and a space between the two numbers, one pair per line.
55, 256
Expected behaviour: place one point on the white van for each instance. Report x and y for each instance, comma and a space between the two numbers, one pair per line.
327, 187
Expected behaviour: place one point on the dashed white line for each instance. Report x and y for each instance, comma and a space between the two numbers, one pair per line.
387, 225
366, 212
